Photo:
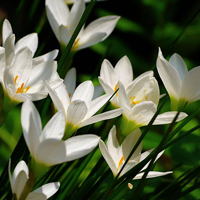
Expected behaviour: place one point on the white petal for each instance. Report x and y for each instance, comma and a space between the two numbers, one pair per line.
113, 146
107, 88
48, 190
46, 57
75, 15
2, 62
55, 127
64, 35
20, 176
107, 157
87, 41
191, 85
96, 104
30, 41
10, 49
124, 71
101, 25
128, 166
151, 174
70, 81
103, 116
168, 117
57, 14
129, 142
28, 110
123, 98
43, 71
169, 76
22, 66
80, 146
142, 113
178, 63
58, 151
107, 74
7, 30
57, 102
76, 112
36, 196
84, 92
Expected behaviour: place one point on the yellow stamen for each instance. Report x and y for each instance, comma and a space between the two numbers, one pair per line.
27, 89
70, 102
69, 94
15, 79
115, 89
120, 162
76, 41
19, 89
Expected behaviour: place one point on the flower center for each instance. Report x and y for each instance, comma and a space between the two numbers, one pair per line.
115, 89
21, 89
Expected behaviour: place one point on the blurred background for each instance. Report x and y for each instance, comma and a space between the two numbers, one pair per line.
145, 25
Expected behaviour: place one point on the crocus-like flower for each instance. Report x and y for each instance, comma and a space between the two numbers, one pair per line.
41, 142
22, 76
79, 108
20, 178
182, 85
116, 155
64, 23
139, 105
110, 76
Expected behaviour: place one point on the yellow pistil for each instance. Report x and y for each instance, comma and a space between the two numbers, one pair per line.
120, 162
15, 79
115, 89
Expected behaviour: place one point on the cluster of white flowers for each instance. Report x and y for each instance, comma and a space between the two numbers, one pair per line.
26, 79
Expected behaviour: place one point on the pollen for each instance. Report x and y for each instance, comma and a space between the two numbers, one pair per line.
115, 89
15, 79
120, 162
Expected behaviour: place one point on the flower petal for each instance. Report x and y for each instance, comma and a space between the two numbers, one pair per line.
96, 104
178, 63
54, 128
70, 81
190, 90
30, 41
108, 75
107, 88
7, 31
151, 174
129, 142
101, 25
108, 157
103, 116
167, 117
9, 46
80, 146
48, 190
76, 112
169, 76
113, 147
84, 92
124, 71
75, 15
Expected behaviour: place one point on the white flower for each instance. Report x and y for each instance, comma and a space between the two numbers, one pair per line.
182, 85
64, 23
21, 75
139, 105
19, 179
116, 155
41, 142
110, 76
79, 105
